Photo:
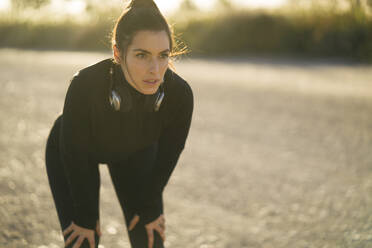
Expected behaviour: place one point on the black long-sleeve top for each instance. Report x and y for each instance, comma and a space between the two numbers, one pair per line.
92, 133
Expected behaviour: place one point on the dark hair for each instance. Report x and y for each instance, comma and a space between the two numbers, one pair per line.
142, 15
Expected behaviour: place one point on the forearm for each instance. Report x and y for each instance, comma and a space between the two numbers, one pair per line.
170, 146
150, 198
84, 185
76, 154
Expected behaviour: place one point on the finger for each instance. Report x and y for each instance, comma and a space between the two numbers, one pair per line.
162, 220
91, 243
161, 232
162, 226
133, 222
78, 242
150, 234
70, 238
67, 230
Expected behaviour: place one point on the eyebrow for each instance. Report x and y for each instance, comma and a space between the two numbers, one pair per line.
145, 51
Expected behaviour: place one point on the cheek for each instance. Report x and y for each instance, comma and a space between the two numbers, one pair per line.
138, 68
164, 66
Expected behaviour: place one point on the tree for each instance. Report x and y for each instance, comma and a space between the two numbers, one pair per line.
188, 5
224, 4
22, 4
355, 4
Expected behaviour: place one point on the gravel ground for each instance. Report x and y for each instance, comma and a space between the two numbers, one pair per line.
279, 154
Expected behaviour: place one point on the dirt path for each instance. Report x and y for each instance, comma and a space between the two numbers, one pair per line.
279, 155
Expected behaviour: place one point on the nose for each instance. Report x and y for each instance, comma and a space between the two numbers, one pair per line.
154, 66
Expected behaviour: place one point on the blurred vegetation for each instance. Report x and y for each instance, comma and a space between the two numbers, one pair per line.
68, 34
333, 28
24, 4
320, 29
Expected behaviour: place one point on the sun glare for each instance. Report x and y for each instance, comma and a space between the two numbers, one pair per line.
166, 6
4, 4
264, 4
70, 7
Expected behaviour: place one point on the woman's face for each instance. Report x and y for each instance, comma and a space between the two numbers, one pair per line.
146, 60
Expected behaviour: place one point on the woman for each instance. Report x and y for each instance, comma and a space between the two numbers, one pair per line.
132, 113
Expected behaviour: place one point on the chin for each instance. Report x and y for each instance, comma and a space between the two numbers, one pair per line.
150, 91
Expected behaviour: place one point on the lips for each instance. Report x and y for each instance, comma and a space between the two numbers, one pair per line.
151, 81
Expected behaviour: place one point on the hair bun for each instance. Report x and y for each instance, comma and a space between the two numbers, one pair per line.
143, 3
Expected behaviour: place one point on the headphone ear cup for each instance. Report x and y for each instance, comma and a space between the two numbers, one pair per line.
153, 102
126, 104
158, 101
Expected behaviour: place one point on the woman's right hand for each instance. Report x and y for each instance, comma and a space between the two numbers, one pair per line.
82, 232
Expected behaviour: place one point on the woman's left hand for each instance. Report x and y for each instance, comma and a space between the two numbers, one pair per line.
158, 225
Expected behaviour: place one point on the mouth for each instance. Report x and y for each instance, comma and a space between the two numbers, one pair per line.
151, 82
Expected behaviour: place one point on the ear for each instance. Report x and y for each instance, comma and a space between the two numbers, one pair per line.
117, 54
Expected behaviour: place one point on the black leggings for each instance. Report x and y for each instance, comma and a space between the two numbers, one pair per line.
126, 177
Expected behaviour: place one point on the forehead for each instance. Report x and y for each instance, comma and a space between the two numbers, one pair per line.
152, 41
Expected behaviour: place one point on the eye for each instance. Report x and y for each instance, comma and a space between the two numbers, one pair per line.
140, 55
165, 55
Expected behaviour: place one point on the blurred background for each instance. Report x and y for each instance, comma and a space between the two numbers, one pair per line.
308, 28
279, 154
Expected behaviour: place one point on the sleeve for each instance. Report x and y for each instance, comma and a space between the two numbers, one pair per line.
170, 146
75, 143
